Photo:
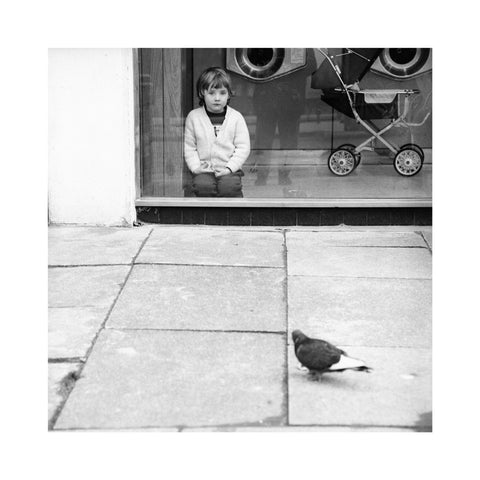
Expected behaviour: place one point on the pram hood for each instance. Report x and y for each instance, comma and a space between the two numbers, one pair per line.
353, 63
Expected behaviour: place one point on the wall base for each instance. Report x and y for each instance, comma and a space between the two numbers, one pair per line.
285, 216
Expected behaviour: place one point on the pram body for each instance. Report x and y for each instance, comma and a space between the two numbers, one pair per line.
342, 91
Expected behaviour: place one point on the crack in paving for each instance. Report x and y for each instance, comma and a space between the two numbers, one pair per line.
81, 265
208, 265
195, 330
66, 360
362, 278
230, 228
425, 240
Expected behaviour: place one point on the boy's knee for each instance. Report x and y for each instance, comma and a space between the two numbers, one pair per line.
230, 186
204, 185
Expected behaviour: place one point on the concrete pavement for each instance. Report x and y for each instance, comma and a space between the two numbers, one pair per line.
187, 328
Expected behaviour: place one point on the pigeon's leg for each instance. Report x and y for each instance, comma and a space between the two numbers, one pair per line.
315, 375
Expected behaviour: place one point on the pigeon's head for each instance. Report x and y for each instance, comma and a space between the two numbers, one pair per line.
298, 337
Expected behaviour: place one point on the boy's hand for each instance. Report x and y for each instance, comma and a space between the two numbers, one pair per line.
203, 168
220, 172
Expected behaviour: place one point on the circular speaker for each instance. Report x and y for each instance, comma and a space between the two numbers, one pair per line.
259, 63
404, 62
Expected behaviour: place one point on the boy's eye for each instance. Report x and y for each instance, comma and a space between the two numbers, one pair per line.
220, 92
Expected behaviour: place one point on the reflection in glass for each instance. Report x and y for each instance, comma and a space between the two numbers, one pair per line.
293, 131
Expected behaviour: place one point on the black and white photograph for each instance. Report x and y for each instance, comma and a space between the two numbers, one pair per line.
235, 236
260, 257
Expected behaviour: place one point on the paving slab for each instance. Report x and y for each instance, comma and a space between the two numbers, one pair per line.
136, 379
359, 261
200, 297
57, 373
352, 238
94, 245
397, 393
71, 330
187, 245
428, 237
85, 286
362, 311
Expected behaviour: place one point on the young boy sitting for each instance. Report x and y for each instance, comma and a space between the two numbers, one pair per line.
217, 141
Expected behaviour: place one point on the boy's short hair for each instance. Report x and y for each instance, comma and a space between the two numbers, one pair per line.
213, 77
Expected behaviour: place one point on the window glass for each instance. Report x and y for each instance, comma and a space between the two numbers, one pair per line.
298, 114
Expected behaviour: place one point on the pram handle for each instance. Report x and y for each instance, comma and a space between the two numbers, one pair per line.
391, 91
407, 91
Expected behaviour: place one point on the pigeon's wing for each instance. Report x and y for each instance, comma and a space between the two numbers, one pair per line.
318, 354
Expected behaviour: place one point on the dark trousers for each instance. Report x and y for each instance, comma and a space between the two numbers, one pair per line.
207, 185
267, 122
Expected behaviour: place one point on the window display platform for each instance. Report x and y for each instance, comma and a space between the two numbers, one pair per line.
366, 182
310, 186
305, 195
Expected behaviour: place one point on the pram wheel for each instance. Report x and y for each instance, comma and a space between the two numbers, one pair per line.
342, 162
358, 156
414, 147
408, 161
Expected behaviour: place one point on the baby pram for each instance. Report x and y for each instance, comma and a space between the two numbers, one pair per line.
340, 87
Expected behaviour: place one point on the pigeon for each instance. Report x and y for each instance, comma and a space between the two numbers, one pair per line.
320, 356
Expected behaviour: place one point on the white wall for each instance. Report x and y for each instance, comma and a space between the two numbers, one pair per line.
91, 137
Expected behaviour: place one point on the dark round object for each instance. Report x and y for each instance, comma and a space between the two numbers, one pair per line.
342, 162
408, 162
351, 147
260, 63
415, 147
404, 62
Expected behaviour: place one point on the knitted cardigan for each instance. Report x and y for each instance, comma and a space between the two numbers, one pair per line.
229, 149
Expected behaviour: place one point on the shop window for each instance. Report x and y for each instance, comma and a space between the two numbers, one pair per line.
298, 114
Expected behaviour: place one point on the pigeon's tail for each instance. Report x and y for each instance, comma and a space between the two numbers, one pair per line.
349, 363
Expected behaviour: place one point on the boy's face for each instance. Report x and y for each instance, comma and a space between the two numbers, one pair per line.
215, 99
